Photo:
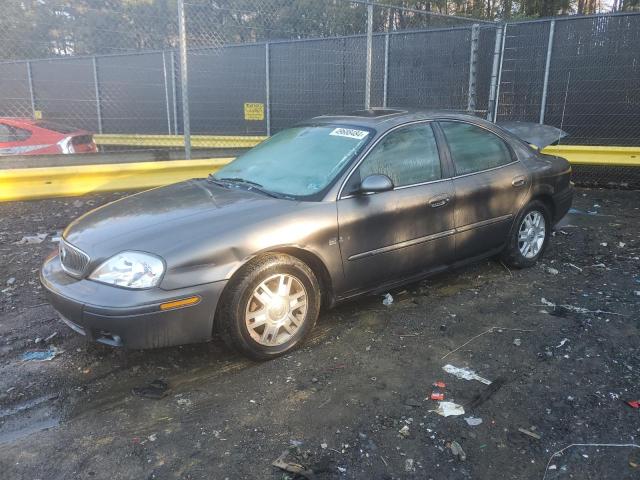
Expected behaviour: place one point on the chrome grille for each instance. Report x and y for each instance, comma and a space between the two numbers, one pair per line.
73, 260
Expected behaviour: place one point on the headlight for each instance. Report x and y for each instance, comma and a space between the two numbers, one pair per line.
130, 270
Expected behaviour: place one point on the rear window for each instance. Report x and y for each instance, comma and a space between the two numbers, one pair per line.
56, 127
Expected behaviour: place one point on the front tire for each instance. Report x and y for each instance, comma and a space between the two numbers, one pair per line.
269, 307
529, 236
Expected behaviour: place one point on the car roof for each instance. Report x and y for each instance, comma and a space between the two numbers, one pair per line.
385, 118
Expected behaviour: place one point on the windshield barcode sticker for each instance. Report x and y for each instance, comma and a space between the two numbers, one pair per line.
350, 133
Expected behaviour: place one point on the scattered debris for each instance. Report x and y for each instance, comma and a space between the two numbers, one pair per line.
11, 281
457, 450
408, 465
473, 421
634, 459
517, 342
552, 271
530, 433
465, 374
323, 446
561, 344
437, 396
491, 330
574, 266
41, 355
404, 431
155, 390
574, 309
387, 300
597, 445
294, 468
449, 409
31, 239
633, 403
51, 337
439, 384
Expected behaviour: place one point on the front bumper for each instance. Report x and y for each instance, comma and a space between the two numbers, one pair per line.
130, 318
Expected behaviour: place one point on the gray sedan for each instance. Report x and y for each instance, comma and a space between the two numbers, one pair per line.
333, 208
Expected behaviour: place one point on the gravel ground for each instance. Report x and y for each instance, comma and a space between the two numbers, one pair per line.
354, 401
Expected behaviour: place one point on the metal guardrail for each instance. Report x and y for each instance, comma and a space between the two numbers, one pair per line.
595, 155
177, 141
35, 183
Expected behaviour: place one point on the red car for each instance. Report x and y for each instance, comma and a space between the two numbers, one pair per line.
23, 136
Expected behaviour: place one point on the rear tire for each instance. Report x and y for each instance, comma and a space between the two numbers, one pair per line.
269, 307
529, 236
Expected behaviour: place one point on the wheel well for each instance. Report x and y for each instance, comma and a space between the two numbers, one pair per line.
317, 266
548, 201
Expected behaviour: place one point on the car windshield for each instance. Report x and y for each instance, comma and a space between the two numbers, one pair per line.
299, 161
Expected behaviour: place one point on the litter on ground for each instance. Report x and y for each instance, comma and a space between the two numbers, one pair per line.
465, 374
449, 409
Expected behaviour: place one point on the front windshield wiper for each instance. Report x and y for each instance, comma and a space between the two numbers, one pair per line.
252, 185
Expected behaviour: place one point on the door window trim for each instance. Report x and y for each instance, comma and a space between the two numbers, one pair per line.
514, 156
366, 153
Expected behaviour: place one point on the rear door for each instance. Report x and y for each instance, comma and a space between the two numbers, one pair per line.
391, 235
490, 187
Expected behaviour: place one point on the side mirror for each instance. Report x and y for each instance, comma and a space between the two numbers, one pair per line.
375, 184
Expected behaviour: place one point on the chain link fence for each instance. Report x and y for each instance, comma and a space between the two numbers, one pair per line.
202, 78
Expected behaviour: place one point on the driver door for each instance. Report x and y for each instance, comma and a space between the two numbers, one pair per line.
406, 231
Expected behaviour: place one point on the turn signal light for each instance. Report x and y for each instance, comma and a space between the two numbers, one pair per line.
184, 302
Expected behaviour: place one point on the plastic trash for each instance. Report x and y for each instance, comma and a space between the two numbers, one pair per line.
387, 300
473, 421
41, 355
449, 409
31, 239
457, 451
465, 374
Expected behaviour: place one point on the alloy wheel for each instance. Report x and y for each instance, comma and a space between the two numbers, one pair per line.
531, 234
276, 310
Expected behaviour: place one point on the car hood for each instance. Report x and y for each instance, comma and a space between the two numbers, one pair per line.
169, 218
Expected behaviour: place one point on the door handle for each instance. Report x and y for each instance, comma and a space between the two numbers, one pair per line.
439, 202
518, 181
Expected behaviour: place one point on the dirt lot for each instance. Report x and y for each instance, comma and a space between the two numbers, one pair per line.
340, 405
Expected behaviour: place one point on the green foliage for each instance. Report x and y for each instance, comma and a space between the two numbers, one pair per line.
44, 28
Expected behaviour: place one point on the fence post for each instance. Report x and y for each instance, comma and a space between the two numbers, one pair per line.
97, 93
473, 61
497, 90
385, 86
267, 86
174, 92
31, 95
367, 82
166, 91
543, 103
494, 73
184, 80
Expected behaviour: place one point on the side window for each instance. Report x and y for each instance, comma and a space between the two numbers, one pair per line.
408, 155
20, 135
474, 149
6, 133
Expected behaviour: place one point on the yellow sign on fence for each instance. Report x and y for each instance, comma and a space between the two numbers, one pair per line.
254, 111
